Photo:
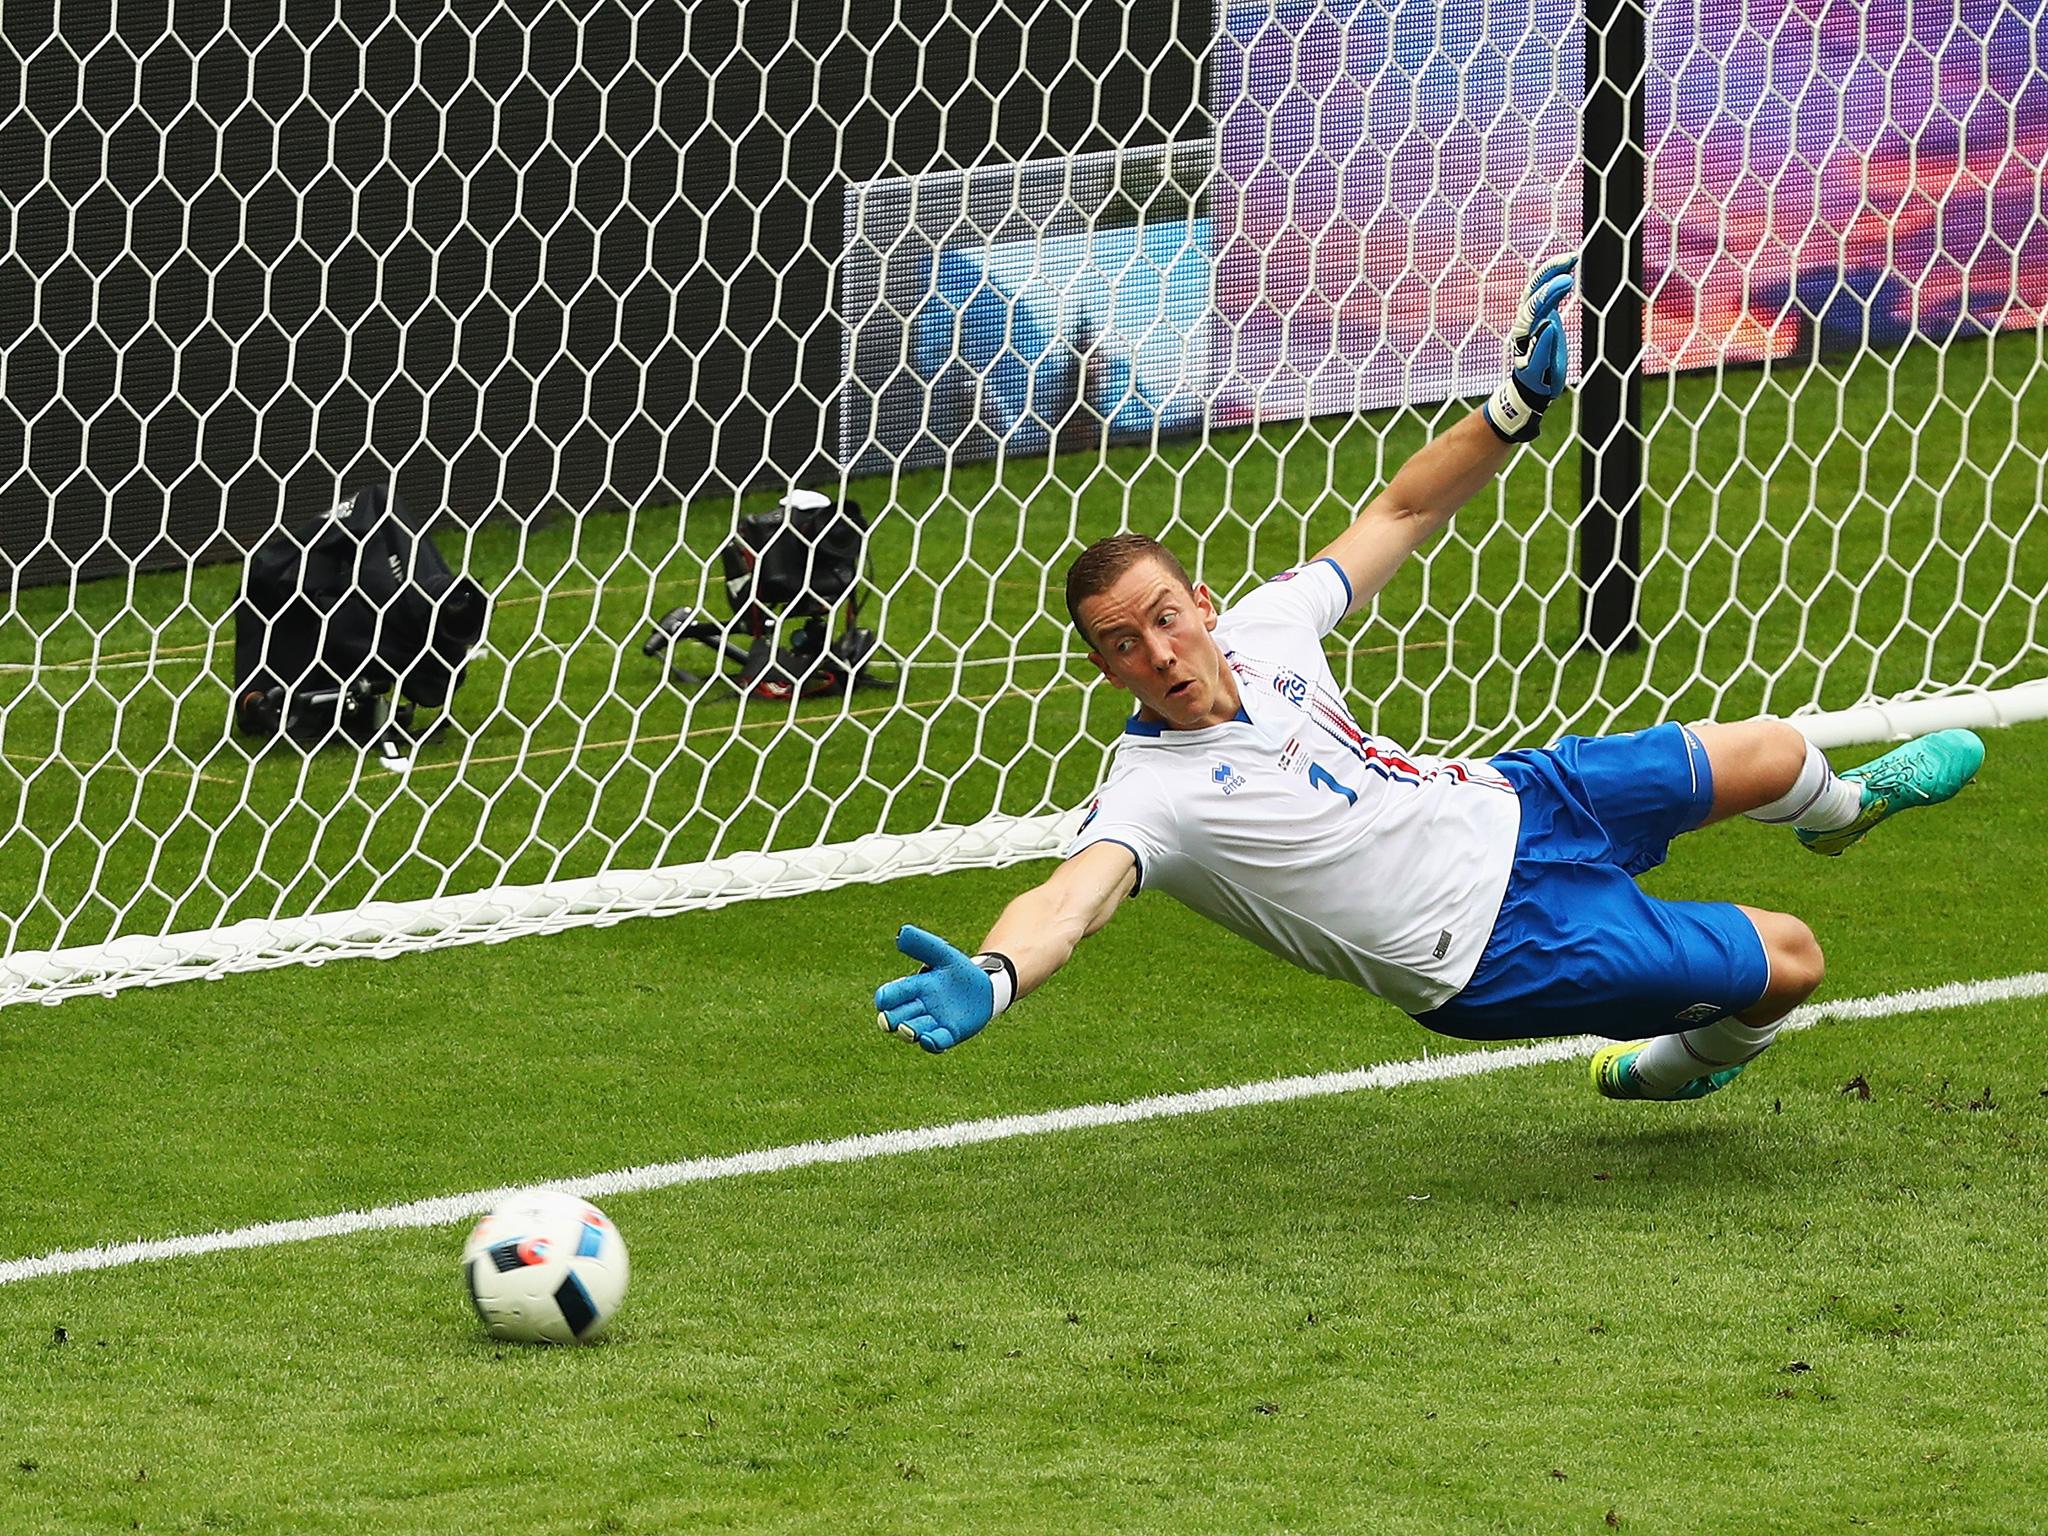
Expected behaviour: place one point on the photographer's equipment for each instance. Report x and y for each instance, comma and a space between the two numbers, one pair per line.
347, 624
790, 575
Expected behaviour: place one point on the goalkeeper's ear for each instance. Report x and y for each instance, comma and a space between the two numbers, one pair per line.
1095, 660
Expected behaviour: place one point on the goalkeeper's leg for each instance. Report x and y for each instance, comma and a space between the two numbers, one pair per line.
1690, 1063
1766, 770
1769, 772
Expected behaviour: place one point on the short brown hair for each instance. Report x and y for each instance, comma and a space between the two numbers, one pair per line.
1102, 564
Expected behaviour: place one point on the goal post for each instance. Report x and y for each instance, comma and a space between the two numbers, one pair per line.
1611, 304
596, 285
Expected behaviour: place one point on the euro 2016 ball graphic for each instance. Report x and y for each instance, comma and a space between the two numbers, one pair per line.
546, 1267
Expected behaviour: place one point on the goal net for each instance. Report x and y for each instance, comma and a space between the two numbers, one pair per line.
594, 286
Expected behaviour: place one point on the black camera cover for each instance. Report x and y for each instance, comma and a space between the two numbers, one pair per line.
357, 603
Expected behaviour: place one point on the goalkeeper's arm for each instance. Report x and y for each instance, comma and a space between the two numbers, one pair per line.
1451, 469
956, 994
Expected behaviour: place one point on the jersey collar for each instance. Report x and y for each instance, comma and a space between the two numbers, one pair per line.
1136, 727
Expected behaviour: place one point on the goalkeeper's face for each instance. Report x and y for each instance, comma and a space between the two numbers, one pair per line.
1153, 637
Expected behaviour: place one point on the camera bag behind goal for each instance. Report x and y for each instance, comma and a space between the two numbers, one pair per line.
792, 576
340, 615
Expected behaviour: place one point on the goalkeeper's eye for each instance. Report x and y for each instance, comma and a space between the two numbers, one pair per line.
1166, 619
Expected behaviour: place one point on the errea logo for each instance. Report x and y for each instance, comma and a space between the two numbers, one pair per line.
1226, 778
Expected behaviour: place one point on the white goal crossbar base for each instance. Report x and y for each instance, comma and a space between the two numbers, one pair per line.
383, 929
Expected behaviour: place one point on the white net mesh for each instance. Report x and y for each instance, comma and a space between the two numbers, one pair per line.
593, 283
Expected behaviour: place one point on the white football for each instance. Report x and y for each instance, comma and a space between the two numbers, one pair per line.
546, 1267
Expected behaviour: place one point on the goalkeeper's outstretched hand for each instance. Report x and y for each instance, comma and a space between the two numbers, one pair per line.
1538, 356
946, 1002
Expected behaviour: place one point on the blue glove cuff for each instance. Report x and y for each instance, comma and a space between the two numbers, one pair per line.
1002, 978
1515, 412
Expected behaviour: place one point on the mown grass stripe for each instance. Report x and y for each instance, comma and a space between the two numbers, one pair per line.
447, 1210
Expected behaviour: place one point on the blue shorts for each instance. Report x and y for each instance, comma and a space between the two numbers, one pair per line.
1579, 948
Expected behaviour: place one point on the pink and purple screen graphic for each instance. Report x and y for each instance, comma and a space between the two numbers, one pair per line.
1823, 175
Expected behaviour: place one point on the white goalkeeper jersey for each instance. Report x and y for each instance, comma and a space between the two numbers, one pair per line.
1330, 847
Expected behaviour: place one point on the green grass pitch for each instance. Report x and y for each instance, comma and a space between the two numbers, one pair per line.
1496, 1304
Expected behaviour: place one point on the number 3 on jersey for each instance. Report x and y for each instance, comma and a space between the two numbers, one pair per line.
1320, 776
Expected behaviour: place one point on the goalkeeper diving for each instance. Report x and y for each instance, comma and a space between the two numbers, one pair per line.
1490, 898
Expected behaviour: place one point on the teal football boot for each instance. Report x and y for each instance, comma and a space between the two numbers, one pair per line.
1925, 771
1614, 1075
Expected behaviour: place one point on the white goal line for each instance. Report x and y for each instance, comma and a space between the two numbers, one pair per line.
448, 1210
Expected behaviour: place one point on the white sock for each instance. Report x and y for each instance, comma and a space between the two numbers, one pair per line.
1818, 800
1669, 1062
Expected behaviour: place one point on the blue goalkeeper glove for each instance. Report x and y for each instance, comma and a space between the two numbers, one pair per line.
951, 999
1537, 357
